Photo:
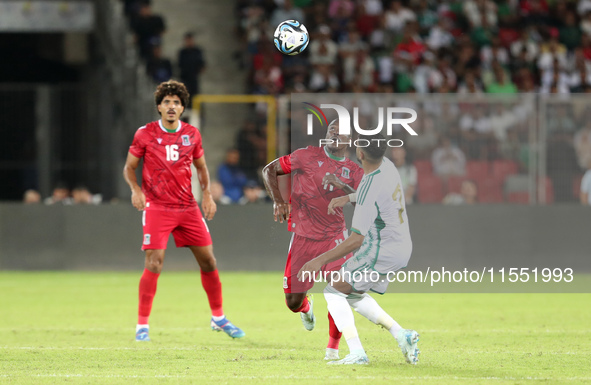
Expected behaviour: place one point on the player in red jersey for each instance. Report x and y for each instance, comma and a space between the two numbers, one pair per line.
318, 175
169, 147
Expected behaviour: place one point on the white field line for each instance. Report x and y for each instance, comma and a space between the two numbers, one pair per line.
431, 378
200, 348
528, 331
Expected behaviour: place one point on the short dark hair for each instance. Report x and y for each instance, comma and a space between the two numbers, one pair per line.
171, 88
376, 149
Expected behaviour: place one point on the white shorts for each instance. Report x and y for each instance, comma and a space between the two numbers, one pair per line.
368, 268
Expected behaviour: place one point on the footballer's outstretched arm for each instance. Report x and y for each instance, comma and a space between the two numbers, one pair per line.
138, 199
281, 209
208, 204
333, 180
353, 242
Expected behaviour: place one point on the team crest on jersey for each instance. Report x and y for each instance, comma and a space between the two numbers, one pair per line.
146, 239
345, 172
186, 141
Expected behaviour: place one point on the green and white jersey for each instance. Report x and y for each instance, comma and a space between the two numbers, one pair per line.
380, 216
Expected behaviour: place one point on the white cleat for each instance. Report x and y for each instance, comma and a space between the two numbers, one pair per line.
331, 354
407, 341
308, 319
352, 359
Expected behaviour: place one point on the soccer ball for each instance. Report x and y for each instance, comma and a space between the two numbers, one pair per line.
291, 37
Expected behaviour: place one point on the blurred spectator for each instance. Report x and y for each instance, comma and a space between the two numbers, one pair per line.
359, 69
268, 79
323, 79
570, 34
478, 10
494, 51
341, 8
408, 173
534, 11
287, 11
584, 7
426, 17
158, 67
60, 195
585, 195
31, 197
252, 193
82, 196
468, 195
217, 193
232, 177
191, 63
440, 35
396, 16
586, 24
148, 29
582, 143
423, 71
448, 160
552, 52
251, 143
442, 75
526, 43
322, 49
561, 164
470, 85
501, 83
372, 7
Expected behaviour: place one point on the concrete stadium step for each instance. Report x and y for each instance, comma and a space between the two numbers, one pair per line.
213, 23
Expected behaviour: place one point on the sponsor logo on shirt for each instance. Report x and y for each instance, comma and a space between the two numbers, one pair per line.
320, 163
146, 239
159, 140
186, 141
285, 286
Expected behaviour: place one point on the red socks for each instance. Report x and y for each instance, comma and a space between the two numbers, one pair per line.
147, 291
334, 335
304, 308
213, 287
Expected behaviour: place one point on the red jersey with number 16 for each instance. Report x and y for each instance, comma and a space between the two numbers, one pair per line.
309, 199
166, 173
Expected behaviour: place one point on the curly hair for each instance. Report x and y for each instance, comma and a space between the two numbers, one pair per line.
171, 87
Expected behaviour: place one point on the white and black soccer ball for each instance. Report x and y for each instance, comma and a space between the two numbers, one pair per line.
291, 37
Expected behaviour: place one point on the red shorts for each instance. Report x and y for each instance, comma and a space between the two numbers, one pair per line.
187, 227
302, 250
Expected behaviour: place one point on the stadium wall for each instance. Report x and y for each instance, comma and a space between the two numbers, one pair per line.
108, 237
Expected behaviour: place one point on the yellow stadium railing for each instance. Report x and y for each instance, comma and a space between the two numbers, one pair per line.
271, 113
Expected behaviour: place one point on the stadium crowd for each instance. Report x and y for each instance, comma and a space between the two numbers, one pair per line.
474, 48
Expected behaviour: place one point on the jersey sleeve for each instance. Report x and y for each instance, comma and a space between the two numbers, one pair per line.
198, 150
138, 146
366, 210
285, 162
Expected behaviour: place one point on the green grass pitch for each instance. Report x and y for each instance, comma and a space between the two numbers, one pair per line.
75, 327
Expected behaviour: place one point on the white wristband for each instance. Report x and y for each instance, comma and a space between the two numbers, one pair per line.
353, 197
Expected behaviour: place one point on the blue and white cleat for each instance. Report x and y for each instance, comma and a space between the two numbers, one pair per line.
308, 319
142, 335
352, 359
227, 327
407, 341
